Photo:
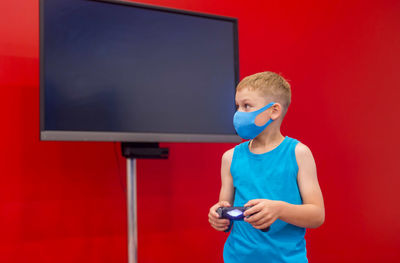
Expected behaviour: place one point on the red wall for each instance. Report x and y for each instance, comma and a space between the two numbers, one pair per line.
65, 201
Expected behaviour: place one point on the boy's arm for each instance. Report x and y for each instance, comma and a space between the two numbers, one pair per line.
311, 214
226, 195
227, 189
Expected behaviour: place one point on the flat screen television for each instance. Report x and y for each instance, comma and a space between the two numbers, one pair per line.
123, 71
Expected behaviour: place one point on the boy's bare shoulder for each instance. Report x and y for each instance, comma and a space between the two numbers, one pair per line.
227, 156
301, 148
302, 151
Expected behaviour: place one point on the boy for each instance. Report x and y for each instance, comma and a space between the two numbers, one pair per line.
273, 174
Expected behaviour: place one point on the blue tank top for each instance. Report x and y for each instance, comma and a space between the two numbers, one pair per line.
271, 175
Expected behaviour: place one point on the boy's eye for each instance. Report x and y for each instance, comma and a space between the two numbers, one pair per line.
244, 105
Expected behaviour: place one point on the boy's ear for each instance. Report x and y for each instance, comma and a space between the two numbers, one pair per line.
276, 111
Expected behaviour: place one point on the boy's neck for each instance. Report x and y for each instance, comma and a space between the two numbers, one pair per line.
267, 141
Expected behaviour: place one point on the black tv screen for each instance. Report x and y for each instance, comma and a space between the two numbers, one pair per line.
122, 71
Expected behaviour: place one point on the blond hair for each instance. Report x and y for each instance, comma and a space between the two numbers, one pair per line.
271, 85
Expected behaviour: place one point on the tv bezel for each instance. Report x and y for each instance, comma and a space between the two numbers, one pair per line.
54, 135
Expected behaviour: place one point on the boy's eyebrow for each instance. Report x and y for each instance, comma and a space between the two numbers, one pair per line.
243, 100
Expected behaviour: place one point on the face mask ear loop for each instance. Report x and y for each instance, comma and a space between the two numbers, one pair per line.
266, 107
268, 122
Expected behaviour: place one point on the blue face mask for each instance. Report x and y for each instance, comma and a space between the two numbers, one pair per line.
245, 125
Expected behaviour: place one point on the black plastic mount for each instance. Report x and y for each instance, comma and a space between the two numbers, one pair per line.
143, 150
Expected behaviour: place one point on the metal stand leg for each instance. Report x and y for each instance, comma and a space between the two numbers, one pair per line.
131, 195
132, 151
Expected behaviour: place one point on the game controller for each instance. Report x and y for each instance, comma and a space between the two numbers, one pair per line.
235, 213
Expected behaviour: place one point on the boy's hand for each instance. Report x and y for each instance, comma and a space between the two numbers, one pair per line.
213, 217
265, 212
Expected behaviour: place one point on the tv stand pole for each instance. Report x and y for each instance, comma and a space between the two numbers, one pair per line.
133, 151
